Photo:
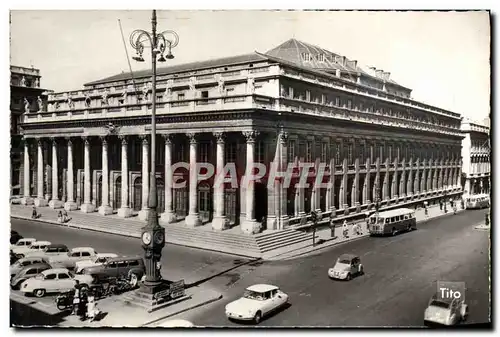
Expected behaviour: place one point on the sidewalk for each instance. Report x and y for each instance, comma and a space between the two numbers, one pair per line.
120, 313
304, 249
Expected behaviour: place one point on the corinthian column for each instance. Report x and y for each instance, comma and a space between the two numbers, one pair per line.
70, 204
87, 206
168, 216
143, 213
219, 222
250, 225
55, 202
105, 208
193, 218
124, 211
26, 200
40, 201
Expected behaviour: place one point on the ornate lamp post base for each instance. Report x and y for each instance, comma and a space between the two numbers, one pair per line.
161, 295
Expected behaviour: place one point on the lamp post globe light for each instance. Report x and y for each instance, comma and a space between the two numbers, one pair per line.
153, 235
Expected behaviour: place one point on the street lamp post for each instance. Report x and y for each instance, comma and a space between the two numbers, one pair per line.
153, 235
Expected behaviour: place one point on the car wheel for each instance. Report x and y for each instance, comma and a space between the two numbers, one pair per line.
39, 292
393, 232
348, 277
409, 228
257, 317
133, 280
361, 271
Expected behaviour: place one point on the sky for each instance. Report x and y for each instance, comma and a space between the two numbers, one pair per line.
442, 56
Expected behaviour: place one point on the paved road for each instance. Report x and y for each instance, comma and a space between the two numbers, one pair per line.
400, 276
177, 262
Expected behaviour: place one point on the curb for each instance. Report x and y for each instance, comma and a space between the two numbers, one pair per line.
358, 238
211, 300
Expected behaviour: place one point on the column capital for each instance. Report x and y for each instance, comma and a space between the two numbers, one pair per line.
167, 138
220, 136
53, 140
283, 137
251, 135
85, 140
39, 141
192, 137
145, 139
124, 139
104, 140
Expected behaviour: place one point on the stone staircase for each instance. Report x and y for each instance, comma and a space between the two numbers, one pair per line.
232, 243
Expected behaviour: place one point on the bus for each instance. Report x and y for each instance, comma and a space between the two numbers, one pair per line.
392, 222
477, 201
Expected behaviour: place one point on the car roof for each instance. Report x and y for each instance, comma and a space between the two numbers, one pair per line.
348, 256
262, 288
37, 265
394, 212
55, 270
82, 249
57, 245
107, 255
27, 239
124, 258
444, 300
42, 243
30, 258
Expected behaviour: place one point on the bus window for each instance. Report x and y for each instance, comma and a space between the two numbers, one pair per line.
406, 217
373, 220
381, 220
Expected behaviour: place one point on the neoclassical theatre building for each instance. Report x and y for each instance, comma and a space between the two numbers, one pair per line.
476, 156
296, 103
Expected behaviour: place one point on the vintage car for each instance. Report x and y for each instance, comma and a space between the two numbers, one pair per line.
28, 272
128, 267
347, 266
176, 323
24, 262
54, 280
97, 260
51, 251
22, 243
74, 255
35, 248
445, 311
258, 301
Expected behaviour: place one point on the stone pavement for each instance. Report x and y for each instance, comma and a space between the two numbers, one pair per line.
122, 314
324, 239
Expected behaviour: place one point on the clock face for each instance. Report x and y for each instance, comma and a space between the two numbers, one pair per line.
146, 238
159, 237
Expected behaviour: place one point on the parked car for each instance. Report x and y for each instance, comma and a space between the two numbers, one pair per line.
258, 301
131, 268
22, 243
97, 260
347, 266
74, 255
445, 311
35, 248
52, 250
14, 237
54, 280
28, 272
24, 262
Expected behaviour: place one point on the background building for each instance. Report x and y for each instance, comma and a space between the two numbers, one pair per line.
24, 94
296, 103
476, 154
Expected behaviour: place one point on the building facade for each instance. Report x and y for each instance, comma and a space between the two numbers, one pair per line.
26, 96
476, 154
295, 104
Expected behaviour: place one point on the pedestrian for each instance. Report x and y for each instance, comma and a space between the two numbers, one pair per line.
34, 214
345, 229
76, 298
65, 216
60, 217
356, 229
454, 209
440, 204
92, 310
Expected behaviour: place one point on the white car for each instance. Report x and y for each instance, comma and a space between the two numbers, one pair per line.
54, 280
346, 267
176, 323
35, 248
74, 255
445, 311
258, 301
22, 243
24, 262
97, 260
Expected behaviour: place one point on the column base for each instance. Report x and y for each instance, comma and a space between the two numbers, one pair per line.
143, 214
87, 208
26, 201
284, 222
219, 223
56, 204
193, 220
70, 206
272, 222
125, 212
40, 202
48, 197
333, 210
250, 227
105, 210
168, 217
